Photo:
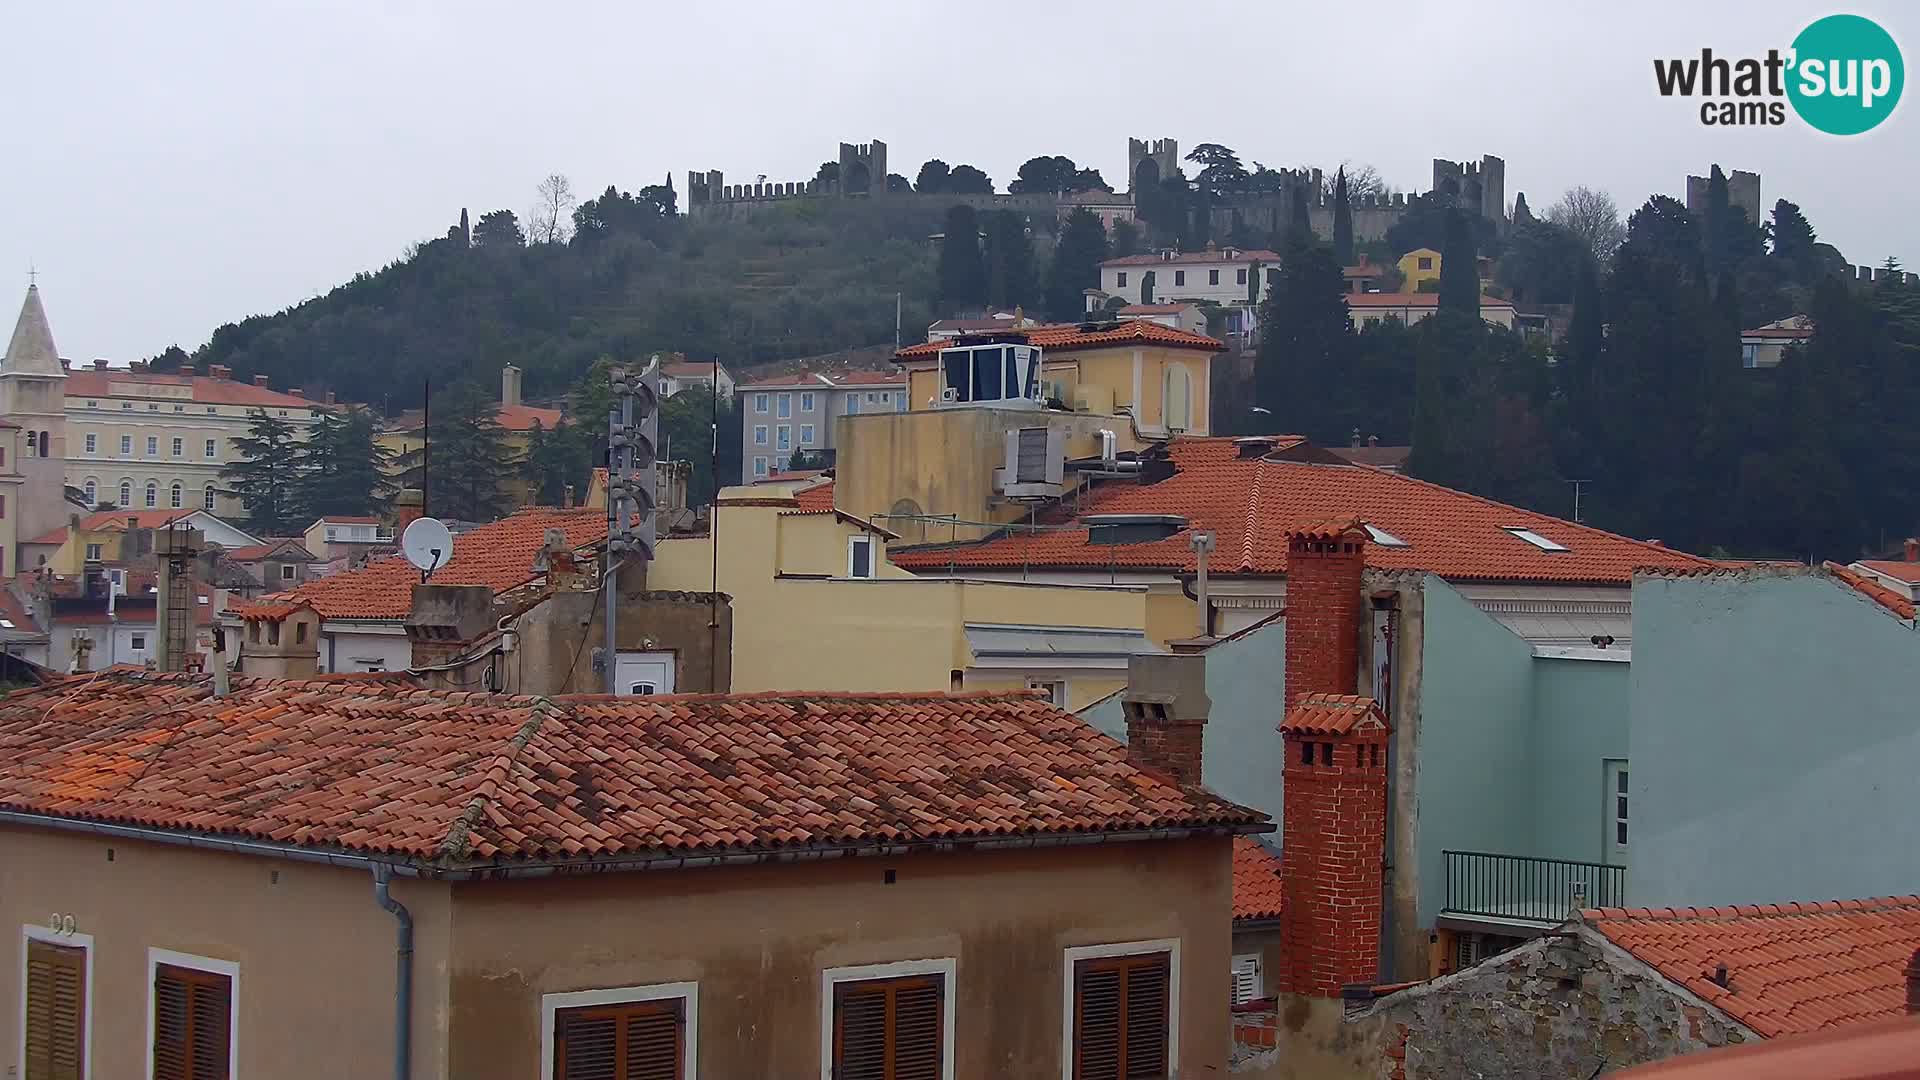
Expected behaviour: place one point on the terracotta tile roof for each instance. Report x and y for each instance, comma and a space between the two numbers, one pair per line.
817, 499
1188, 258
456, 779
1897, 569
1153, 309
1872, 590
1883, 1050
1333, 714
688, 369
255, 552
499, 555
207, 390
111, 520
346, 519
817, 380
1067, 337
1256, 880
1790, 967
1780, 333
56, 537
1250, 504
267, 612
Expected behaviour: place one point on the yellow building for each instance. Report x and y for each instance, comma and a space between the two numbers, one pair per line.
1099, 392
817, 606
405, 437
1417, 266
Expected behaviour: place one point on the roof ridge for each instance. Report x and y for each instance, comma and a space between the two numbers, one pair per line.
806, 696
459, 839
1749, 911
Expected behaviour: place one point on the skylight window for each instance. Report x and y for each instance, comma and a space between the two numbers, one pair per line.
1385, 538
1537, 540
6, 624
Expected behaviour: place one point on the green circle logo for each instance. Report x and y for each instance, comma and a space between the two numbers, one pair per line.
1846, 75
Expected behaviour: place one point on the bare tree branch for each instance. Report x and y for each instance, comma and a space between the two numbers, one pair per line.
1592, 216
551, 220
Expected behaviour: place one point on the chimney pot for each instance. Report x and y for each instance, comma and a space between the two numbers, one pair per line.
297, 392
1913, 549
100, 364
261, 380
219, 371
1324, 579
566, 497
509, 386
1166, 705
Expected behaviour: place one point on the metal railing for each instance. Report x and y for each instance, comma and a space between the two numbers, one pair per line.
1521, 887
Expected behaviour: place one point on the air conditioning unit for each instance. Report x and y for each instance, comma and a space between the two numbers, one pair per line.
1035, 463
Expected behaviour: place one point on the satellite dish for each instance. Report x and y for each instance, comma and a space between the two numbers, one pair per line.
427, 544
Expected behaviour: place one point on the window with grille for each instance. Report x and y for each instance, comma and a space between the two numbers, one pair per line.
1120, 1017
889, 1029
192, 1024
636, 1040
56, 1014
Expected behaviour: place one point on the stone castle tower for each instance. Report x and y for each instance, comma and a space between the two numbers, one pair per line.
33, 399
1162, 154
1474, 185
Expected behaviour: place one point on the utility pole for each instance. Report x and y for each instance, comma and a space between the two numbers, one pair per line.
632, 433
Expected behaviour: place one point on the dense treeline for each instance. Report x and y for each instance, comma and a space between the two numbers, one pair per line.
1647, 400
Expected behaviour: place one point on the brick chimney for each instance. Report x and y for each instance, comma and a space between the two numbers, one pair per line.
219, 371
1913, 549
1913, 975
406, 508
1166, 706
1324, 568
509, 386
1334, 780
261, 380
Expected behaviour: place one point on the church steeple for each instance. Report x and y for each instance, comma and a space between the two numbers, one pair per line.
31, 351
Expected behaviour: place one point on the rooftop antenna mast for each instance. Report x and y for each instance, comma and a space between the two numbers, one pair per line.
633, 431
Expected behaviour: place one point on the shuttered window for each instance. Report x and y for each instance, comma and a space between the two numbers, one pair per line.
1120, 1017
56, 1011
640, 1040
192, 1023
889, 1029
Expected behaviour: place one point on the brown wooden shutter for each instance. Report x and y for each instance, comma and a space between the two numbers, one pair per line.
1120, 1011
192, 1024
889, 1029
56, 1011
641, 1040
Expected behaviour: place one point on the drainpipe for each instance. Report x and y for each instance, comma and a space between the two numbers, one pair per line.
403, 975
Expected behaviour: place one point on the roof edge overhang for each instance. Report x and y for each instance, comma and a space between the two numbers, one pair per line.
439, 870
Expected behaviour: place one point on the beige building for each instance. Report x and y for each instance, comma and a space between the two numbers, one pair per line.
1412, 307
32, 480
468, 885
1766, 345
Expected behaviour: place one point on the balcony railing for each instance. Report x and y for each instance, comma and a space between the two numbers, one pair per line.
1519, 887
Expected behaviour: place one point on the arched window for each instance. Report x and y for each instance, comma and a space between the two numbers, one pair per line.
153, 494
33, 443
1177, 402
46, 445
207, 500
174, 496
93, 493
126, 494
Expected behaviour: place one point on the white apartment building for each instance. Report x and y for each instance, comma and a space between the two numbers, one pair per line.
783, 415
1227, 276
143, 440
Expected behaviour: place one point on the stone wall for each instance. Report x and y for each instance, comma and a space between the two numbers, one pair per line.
1565, 1005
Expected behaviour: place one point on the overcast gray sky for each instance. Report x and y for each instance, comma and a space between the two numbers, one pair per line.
174, 167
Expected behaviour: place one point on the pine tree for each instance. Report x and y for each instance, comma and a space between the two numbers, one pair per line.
1793, 241
1076, 265
470, 457
342, 466
266, 478
1342, 221
962, 274
1459, 268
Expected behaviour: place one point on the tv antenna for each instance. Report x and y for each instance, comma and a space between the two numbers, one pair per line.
427, 544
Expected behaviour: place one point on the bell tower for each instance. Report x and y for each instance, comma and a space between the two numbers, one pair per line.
33, 399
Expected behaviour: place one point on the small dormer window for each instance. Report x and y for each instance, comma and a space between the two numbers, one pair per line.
1536, 539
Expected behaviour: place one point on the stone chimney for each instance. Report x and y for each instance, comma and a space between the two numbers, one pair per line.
1334, 776
444, 619
407, 508
329, 397
99, 364
509, 386
1324, 568
261, 380
1166, 706
280, 641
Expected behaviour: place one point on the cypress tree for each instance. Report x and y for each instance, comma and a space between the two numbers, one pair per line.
1459, 268
1301, 228
962, 274
1076, 264
1342, 221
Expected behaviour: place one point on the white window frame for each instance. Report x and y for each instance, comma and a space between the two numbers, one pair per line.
93, 443
689, 992
126, 446
179, 446
1072, 956
760, 467
806, 401
1059, 691
783, 407
806, 435
853, 544
92, 488
853, 404
153, 446
783, 437
31, 932
1528, 536
156, 957
286, 571
207, 495
946, 967
759, 434
760, 403
212, 448
1613, 852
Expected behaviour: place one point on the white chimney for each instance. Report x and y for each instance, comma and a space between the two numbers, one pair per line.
509, 386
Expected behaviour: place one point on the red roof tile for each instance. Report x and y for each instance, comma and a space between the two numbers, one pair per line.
817, 499
267, 612
1068, 337
207, 390
1883, 1050
1790, 967
1872, 590
1333, 714
811, 380
1896, 569
499, 556
455, 779
524, 417
1187, 258
1251, 504
1256, 880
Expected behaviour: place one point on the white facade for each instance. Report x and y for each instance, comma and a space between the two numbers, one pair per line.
682, 374
779, 419
1223, 276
